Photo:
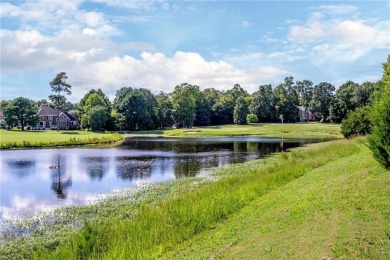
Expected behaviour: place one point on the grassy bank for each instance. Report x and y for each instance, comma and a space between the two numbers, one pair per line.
340, 210
298, 130
330, 200
26, 139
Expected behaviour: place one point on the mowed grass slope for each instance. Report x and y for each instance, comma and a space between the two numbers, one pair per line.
19, 139
340, 210
330, 200
297, 130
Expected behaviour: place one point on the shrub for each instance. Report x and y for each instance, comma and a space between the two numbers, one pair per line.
356, 123
380, 117
380, 139
252, 119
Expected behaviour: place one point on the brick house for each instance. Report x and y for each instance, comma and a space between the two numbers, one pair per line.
50, 118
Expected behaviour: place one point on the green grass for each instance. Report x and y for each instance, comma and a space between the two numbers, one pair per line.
330, 200
22, 139
340, 210
298, 130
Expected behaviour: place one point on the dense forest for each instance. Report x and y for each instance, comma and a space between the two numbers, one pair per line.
187, 105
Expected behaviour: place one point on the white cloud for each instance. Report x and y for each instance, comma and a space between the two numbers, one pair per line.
350, 40
31, 50
338, 9
354, 32
41, 13
313, 29
336, 39
158, 72
93, 19
89, 31
56, 17
304, 33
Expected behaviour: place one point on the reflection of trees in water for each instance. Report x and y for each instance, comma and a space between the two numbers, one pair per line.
60, 181
21, 168
96, 167
252, 146
129, 168
187, 166
191, 156
187, 146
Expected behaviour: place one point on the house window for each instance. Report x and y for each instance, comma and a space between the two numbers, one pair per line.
50, 117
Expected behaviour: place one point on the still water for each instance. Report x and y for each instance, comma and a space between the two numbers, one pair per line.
41, 179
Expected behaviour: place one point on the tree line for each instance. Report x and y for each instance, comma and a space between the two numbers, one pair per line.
188, 106
362, 108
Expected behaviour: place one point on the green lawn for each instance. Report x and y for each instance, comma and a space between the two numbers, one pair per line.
298, 130
340, 210
19, 139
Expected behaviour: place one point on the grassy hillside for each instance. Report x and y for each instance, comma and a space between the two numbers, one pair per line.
340, 210
329, 200
19, 139
298, 130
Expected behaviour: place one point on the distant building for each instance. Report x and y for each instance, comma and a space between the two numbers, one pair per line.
305, 114
1, 116
51, 118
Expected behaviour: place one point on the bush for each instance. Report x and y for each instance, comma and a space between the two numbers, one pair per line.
380, 117
252, 119
356, 123
380, 139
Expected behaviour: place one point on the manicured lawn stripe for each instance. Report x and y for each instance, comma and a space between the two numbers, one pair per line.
26, 139
298, 130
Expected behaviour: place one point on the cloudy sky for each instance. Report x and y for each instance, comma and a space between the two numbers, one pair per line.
160, 44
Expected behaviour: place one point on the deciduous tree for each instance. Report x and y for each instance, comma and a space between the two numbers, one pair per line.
263, 104
240, 111
323, 95
184, 104
138, 107
21, 111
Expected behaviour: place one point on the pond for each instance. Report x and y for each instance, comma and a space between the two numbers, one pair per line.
41, 179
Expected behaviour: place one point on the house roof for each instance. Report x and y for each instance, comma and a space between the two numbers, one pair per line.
71, 118
47, 111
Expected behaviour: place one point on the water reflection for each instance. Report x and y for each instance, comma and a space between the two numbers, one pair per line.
129, 168
33, 180
96, 167
21, 168
60, 182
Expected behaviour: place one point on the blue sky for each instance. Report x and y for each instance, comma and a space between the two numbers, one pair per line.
160, 44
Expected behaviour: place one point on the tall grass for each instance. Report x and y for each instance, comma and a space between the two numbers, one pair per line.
157, 228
